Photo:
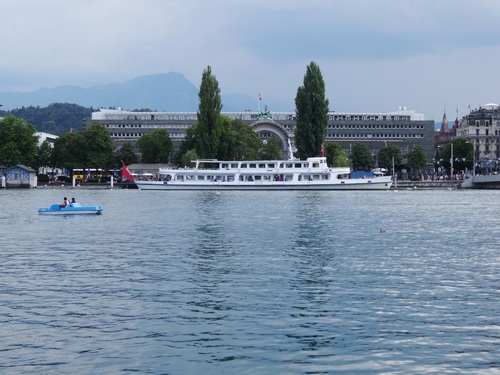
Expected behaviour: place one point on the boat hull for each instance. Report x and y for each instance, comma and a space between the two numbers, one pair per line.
376, 184
55, 209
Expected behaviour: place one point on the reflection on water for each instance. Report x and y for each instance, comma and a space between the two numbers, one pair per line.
251, 282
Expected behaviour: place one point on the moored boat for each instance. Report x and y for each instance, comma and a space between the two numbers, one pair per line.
72, 209
310, 174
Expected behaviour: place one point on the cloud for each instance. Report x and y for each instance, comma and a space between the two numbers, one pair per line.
373, 54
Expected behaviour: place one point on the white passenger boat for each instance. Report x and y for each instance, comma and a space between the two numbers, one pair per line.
310, 174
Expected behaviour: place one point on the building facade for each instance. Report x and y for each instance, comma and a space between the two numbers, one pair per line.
481, 127
403, 128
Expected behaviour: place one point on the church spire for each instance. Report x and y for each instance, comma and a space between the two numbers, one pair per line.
444, 123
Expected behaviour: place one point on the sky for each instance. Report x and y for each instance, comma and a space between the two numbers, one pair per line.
431, 56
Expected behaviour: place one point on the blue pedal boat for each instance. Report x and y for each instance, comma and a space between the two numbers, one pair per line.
72, 209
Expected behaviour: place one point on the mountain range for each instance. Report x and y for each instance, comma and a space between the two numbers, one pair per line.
169, 92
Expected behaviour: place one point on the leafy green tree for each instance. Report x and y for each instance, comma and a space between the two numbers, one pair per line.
336, 156
462, 154
126, 154
362, 159
208, 126
99, 146
386, 154
188, 157
155, 146
43, 155
312, 113
271, 150
248, 143
227, 139
70, 151
417, 158
18, 144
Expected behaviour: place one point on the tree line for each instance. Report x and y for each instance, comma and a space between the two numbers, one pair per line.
212, 136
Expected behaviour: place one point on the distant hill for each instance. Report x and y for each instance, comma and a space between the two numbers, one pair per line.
169, 92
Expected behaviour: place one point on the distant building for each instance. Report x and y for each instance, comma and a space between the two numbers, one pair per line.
481, 127
21, 176
446, 134
403, 128
50, 138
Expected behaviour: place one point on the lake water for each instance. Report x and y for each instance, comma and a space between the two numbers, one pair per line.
397, 282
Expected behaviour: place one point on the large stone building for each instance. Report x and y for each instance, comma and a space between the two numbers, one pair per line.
481, 127
403, 128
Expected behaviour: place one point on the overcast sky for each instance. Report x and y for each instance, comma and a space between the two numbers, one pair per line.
375, 55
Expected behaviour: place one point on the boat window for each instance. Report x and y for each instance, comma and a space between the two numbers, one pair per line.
190, 177
262, 165
271, 165
281, 165
298, 165
267, 178
179, 177
243, 165
234, 165
224, 166
288, 177
289, 165
201, 178
258, 178
315, 165
253, 165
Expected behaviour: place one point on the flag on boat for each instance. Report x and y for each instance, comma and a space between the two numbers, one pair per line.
126, 173
260, 97
322, 148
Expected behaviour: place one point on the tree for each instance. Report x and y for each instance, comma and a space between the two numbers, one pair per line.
271, 149
126, 154
386, 155
188, 158
227, 139
99, 147
462, 154
417, 158
362, 159
311, 107
209, 109
43, 155
336, 156
247, 144
18, 144
70, 151
155, 146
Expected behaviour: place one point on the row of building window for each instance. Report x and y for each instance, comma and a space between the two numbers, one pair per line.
360, 135
375, 126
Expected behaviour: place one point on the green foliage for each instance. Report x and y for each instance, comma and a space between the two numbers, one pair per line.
271, 150
417, 158
247, 144
210, 106
312, 113
57, 118
188, 157
362, 159
99, 147
336, 156
70, 151
386, 154
18, 145
227, 139
43, 155
155, 146
462, 154
126, 154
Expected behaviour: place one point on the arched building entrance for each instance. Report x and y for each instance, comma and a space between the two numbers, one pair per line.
266, 127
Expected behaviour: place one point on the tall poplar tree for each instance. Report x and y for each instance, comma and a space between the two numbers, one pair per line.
209, 120
311, 107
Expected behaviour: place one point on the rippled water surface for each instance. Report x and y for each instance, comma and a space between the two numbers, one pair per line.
402, 282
